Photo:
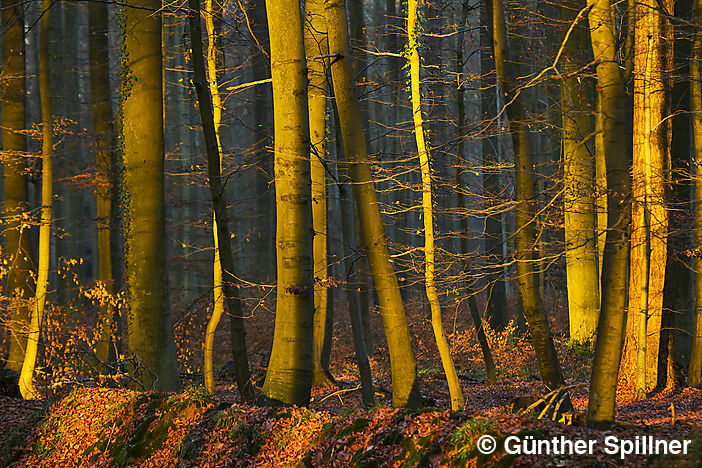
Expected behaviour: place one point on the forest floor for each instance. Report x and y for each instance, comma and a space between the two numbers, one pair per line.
89, 425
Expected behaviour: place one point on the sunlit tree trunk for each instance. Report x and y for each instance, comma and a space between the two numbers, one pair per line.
210, 105
695, 368
150, 332
316, 48
405, 385
20, 285
289, 375
615, 265
101, 97
457, 400
649, 214
524, 237
26, 382
579, 183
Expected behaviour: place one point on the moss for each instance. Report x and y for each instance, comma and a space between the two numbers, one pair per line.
358, 425
12, 446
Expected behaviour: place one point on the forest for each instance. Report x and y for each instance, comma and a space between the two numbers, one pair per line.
351, 233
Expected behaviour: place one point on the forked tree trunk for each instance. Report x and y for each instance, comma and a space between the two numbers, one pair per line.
289, 375
405, 386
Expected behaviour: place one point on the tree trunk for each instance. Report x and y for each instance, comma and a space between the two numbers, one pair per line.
695, 368
524, 237
100, 91
150, 330
579, 182
20, 283
649, 229
402, 362
26, 382
316, 46
614, 115
676, 294
457, 400
210, 106
496, 302
289, 375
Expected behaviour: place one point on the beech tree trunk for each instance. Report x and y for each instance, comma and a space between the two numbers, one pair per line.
649, 228
20, 283
525, 236
150, 332
615, 264
316, 48
26, 381
289, 375
405, 386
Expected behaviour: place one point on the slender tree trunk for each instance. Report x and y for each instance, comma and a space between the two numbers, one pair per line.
677, 298
694, 378
352, 291
26, 382
496, 313
601, 184
100, 91
524, 237
579, 181
493, 301
316, 46
211, 114
151, 337
649, 213
402, 362
614, 115
457, 400
20, 285
289, 375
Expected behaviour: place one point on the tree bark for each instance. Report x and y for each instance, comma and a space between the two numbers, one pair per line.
457, 400
289, 375
649, 228
20, 285
579, 183
150, 332
100, 91
613, 300
694, 378
26, 381
316, 46
405, 385
524, 237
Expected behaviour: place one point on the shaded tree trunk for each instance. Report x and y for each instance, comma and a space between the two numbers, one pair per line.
524, 237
